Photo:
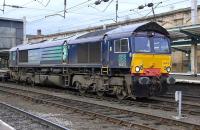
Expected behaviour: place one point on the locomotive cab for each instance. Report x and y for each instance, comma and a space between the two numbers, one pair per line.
151, 63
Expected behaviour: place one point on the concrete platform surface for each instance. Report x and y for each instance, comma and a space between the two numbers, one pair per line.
186, 78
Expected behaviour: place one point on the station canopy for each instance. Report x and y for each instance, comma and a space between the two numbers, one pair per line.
183, 36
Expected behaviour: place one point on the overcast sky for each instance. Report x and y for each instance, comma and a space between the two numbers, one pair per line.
81, 13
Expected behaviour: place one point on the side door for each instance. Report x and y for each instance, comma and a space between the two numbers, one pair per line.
120, 53
105, 53
65, 53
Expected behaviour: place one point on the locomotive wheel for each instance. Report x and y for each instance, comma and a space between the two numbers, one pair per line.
100, 93
18, 80
121, 93
100, 90
81, 88
32, 83
28, 81
164, 89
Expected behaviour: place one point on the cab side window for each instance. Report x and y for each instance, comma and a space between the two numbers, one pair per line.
121, 45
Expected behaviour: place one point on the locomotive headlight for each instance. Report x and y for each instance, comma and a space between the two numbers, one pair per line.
168, 69
137, 69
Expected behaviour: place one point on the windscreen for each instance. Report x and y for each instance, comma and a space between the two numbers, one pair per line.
154, 44
161, 45
142, 44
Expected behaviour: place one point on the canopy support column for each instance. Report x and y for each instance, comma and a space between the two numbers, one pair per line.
194, 20
194, 58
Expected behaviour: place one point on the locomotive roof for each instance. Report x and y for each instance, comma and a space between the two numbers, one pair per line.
38, 45
95, 34
122, 31
119, 32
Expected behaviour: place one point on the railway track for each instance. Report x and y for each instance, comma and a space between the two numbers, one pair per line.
191, 108
185, 97
22, 120
126, 118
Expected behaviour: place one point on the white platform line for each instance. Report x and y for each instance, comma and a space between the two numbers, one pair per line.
188, 81
4, 126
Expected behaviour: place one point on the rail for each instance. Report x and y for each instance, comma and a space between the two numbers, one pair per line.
118, 116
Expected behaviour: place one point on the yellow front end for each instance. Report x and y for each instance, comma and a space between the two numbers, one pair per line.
150, 74
151, 64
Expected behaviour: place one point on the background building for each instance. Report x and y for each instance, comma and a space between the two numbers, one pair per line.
11, 34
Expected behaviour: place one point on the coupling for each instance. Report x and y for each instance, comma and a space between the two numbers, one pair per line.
144, 80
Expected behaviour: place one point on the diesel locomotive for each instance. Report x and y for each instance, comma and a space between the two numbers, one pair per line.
127, 61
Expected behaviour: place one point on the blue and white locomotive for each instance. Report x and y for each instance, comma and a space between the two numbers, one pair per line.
133, 60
